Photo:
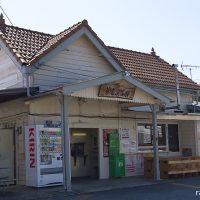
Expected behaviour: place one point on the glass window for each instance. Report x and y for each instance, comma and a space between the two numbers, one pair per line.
145, 136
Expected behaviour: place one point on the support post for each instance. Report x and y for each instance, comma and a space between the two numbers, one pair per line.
66, 143
154, 109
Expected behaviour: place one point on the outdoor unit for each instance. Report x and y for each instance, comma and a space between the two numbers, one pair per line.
193, 108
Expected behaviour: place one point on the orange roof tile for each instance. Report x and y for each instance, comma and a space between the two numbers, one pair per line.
151, 69
22, 42
29, 46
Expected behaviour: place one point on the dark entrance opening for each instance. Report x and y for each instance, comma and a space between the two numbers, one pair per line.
84, 153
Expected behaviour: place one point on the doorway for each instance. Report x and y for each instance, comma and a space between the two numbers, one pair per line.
84, 153
7, 156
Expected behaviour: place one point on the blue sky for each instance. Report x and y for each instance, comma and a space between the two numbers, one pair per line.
172, 27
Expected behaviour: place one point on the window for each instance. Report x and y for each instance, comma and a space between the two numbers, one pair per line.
145, 136
173, 137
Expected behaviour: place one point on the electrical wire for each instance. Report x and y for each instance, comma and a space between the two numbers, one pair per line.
6, 15
68, 69
88, 116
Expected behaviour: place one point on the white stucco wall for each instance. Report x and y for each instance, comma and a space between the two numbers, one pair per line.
187, 131
14, 115
10, 76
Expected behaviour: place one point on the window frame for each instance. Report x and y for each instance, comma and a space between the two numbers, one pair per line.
149, 148
161, 148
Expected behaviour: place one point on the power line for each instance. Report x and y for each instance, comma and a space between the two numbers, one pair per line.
6, 15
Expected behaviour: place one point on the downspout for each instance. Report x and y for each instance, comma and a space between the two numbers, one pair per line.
26, 75
27, 85
177, 86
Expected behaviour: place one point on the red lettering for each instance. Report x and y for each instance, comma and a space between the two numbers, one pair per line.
31, 140
32, 147
32, 162
31, 132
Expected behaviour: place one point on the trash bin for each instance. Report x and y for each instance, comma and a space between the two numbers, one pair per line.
117, 165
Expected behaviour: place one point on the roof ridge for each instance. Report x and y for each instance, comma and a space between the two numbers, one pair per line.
25, 29
73, 26
123, 49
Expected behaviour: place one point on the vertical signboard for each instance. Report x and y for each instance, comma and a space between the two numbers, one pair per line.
30, 153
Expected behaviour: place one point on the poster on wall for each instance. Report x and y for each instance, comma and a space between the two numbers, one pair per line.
106, 133
124, 133
127, 145
134, 164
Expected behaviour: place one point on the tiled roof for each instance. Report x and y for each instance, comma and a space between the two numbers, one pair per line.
23, 43
29, 46
151, 69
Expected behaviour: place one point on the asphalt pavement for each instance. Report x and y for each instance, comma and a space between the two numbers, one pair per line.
179, 189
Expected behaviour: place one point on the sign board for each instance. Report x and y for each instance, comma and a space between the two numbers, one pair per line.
127, 144
116, 91
124, 133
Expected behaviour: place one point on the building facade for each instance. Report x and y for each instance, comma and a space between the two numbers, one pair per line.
108, 90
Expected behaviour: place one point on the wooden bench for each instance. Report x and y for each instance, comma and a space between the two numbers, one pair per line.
173, 166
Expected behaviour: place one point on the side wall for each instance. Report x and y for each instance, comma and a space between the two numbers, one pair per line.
14, 115
10, 76
185, 99
187, 136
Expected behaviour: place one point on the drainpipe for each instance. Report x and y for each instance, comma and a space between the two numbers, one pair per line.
26, 75
177, 86
154, 109
27, 85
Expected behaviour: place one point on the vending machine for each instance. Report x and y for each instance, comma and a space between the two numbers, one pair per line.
43, 151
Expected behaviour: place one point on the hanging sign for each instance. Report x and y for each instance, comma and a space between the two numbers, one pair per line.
116, 91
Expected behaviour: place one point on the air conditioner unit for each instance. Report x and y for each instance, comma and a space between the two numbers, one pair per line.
193, 108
